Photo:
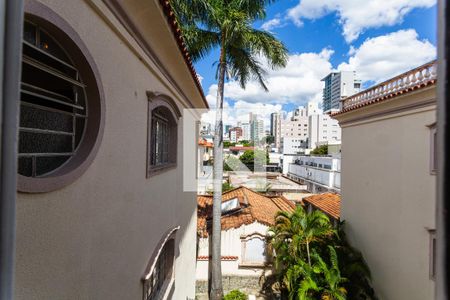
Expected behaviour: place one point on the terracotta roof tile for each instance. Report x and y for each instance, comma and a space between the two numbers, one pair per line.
254, 207
329, 203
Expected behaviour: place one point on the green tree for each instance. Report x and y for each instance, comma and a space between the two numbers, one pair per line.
252, 157
331, 269
321, 150
270, 139
227, 25
227, 144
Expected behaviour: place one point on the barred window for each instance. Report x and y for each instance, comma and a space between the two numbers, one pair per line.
53, 108
159, 278
162, 134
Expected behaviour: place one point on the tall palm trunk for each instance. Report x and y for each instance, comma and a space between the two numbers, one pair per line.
307, 250
216, 292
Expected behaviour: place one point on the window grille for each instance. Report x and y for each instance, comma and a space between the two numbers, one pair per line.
156, 282
53, 110
161, 135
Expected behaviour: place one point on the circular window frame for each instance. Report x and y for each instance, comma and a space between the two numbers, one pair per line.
71, 170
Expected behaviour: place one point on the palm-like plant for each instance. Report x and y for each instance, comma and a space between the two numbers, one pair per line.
294, 232
315, 226
227, 25
333, 289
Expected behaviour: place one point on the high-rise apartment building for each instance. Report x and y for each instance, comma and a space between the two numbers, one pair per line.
256, 128
339, 85
235, 134
322, 128
245, 131
275, 128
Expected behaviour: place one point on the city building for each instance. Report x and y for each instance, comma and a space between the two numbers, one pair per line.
205, 129
295, 127
227, 128
246, 218
290, 145
389, 181
322, 128
339, 85
256, 128
235, 134
319, 173
101, 210
245, 131
275, 129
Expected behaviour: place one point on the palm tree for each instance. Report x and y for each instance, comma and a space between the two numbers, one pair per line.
299, 228
227, 25
333, 289
315, 226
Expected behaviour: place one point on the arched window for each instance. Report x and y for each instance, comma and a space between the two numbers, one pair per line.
61, 104
159, 274
163, 116
254, 250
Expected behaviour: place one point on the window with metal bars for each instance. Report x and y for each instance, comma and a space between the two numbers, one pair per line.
163, 138
156, 282
53, 110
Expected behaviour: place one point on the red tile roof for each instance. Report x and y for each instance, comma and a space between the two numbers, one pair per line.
329, 203
253, 207
203, 142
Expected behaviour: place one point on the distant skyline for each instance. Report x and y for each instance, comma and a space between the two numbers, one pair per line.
378, 39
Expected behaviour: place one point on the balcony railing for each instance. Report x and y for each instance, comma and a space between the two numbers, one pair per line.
414, 78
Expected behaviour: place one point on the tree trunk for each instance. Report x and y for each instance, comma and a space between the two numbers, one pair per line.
216, 292
307, 250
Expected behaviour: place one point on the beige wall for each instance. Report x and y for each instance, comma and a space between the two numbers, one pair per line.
388, 193
231, 245
93, 239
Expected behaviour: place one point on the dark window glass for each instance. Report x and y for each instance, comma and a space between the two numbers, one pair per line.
162, 133
52, 105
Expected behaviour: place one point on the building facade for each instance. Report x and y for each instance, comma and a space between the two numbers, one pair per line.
389, 181
100, 204
319, 173
256, 128
246, 218
291, 145
235, 134
339, 85
322, 129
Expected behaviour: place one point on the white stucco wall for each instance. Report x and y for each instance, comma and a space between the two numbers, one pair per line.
93, 238
388, 195
231, 246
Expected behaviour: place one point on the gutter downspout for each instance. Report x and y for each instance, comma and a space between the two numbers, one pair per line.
11, 23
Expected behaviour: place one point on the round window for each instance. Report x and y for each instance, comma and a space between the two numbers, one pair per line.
52, 105
59, 109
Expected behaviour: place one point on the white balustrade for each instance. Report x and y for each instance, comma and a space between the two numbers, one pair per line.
412, 78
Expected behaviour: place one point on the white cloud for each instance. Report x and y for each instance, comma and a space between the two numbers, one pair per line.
355, 15
298, 83
377, 59
385, 56
276, 22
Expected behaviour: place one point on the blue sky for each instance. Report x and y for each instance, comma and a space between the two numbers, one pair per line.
321, 36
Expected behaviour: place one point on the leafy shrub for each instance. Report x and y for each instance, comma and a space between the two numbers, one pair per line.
235, 295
